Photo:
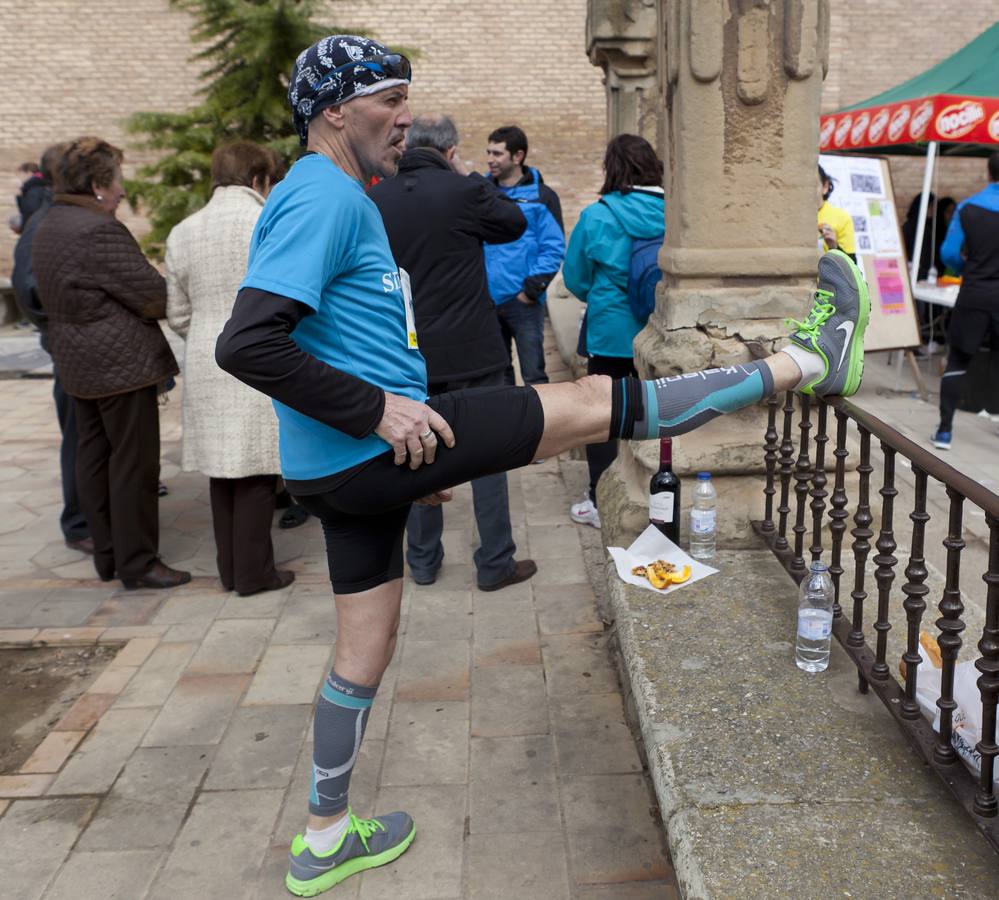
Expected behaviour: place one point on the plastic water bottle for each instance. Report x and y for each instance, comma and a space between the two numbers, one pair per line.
815, 616
703, 529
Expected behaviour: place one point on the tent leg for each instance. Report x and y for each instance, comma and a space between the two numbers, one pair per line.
917, 375
924, 203
896, 357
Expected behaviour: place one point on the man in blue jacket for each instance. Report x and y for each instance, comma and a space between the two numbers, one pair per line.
972, 249
519, 273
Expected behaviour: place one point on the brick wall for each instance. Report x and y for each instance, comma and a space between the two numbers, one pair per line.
487, 65
70, 67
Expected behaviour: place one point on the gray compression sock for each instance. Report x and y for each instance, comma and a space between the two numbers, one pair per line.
681, 403
341, 716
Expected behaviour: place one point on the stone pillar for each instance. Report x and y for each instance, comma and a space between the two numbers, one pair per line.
621, 39
742, 82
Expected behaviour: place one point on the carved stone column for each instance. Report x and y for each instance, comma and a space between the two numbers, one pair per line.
621, 39
742, 81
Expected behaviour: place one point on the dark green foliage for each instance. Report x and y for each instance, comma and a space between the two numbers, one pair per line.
248, 49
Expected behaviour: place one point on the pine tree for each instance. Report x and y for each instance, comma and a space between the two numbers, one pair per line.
249, 49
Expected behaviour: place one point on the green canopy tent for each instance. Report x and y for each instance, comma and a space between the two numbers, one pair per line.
950, 109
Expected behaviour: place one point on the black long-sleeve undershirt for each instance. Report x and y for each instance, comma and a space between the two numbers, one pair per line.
256, 347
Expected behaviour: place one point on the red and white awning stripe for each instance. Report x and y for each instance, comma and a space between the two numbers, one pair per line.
942, 117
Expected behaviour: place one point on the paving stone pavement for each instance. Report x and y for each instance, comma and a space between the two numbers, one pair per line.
183, 771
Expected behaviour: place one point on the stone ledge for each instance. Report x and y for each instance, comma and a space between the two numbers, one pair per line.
772, 782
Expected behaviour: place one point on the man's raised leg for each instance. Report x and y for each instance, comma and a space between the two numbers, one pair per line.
825, 356
581, 412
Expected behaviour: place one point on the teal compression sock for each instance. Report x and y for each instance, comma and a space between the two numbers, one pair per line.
666, 407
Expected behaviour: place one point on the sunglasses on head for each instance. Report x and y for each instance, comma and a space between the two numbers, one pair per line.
392, 65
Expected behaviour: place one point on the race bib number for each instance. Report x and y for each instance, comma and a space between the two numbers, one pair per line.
407, 298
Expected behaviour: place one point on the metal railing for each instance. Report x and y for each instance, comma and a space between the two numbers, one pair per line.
786, 529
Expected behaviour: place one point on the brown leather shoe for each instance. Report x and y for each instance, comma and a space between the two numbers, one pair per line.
279, 581
522, 570
159, 576
84, 545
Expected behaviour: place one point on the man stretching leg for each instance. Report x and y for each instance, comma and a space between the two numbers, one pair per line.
323, 324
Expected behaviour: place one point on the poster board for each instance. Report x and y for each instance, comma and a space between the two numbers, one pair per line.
862, 186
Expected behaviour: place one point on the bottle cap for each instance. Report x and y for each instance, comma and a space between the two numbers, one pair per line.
703, 476
818, 567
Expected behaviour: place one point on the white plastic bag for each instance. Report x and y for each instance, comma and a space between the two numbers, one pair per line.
966, 731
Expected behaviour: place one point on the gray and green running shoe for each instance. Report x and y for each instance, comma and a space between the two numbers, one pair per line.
367, 844
835, 327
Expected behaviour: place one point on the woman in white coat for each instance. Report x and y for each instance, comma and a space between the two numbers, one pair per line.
230, 430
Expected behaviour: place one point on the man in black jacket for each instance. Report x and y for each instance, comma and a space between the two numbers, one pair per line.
437, 218
972, 249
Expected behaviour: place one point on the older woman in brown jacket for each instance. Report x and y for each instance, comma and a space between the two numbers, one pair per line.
103, 300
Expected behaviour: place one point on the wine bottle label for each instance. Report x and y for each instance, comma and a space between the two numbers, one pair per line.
702, 521
814, 624
661, 506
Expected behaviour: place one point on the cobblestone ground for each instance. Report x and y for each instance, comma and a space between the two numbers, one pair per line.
182, 772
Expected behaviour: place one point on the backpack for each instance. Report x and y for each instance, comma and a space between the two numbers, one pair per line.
643, 273
643, 276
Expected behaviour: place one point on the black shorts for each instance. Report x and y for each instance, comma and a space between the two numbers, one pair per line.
969, 327
364, 509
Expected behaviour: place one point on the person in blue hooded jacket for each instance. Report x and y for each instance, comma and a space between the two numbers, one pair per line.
519, 273
631, 206
971, 249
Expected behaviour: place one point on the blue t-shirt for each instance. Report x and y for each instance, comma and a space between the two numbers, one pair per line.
321, 241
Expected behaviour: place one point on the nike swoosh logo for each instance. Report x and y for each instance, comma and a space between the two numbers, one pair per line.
847, 329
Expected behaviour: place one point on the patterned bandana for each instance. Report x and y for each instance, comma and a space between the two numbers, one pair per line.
323, 75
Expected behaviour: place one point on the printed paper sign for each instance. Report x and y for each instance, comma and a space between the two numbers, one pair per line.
891, 291
884, 229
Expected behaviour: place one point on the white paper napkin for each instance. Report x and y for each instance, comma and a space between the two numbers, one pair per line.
652, 544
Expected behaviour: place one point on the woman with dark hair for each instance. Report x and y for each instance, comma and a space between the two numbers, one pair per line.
230, 430
597, 263
103, 300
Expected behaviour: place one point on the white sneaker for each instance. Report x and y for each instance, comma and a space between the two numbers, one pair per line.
585, 513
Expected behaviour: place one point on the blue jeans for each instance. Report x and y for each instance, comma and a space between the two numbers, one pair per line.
491, 501
525, 324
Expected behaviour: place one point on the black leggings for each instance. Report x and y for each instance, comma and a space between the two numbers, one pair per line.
967, 331
950, 386
600, 456
364, 509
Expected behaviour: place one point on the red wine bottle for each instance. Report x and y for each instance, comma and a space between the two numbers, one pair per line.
664, 494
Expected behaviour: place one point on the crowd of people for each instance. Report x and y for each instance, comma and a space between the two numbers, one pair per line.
479, 252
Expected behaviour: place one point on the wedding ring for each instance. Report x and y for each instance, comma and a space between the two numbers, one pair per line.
426, 433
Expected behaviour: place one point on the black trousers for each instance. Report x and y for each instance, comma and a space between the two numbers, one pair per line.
117, 470
72, 522
242, 513
600, 456
966, 332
